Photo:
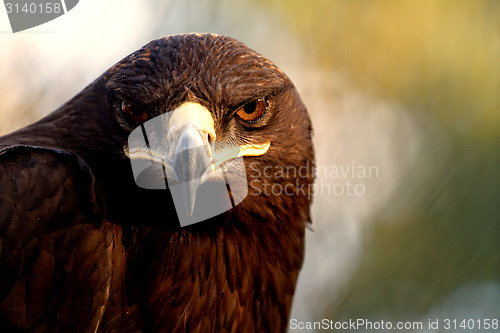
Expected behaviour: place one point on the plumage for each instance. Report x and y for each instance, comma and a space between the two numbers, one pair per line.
84, 249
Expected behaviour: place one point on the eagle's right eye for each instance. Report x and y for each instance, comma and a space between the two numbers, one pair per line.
253, 111
132, 114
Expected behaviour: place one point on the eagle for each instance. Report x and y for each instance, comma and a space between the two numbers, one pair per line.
85, 246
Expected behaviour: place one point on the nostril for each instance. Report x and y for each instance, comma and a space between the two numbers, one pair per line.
210, 143
211, 137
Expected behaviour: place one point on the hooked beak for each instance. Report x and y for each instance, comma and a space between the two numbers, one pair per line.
191, 130
192, 152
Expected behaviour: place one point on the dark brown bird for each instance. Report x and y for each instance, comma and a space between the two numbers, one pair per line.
83, 248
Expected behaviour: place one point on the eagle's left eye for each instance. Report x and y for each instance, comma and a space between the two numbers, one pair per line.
253, 111
133, 114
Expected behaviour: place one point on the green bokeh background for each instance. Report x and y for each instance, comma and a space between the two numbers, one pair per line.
441, 59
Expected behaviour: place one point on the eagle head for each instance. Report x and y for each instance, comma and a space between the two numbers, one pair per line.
197, 112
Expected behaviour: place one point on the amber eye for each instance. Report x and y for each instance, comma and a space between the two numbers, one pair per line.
253, 111
133, 114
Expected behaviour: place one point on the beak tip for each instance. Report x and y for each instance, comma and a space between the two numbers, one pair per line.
187, 193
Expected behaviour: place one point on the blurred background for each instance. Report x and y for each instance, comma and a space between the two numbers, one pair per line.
405, 102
